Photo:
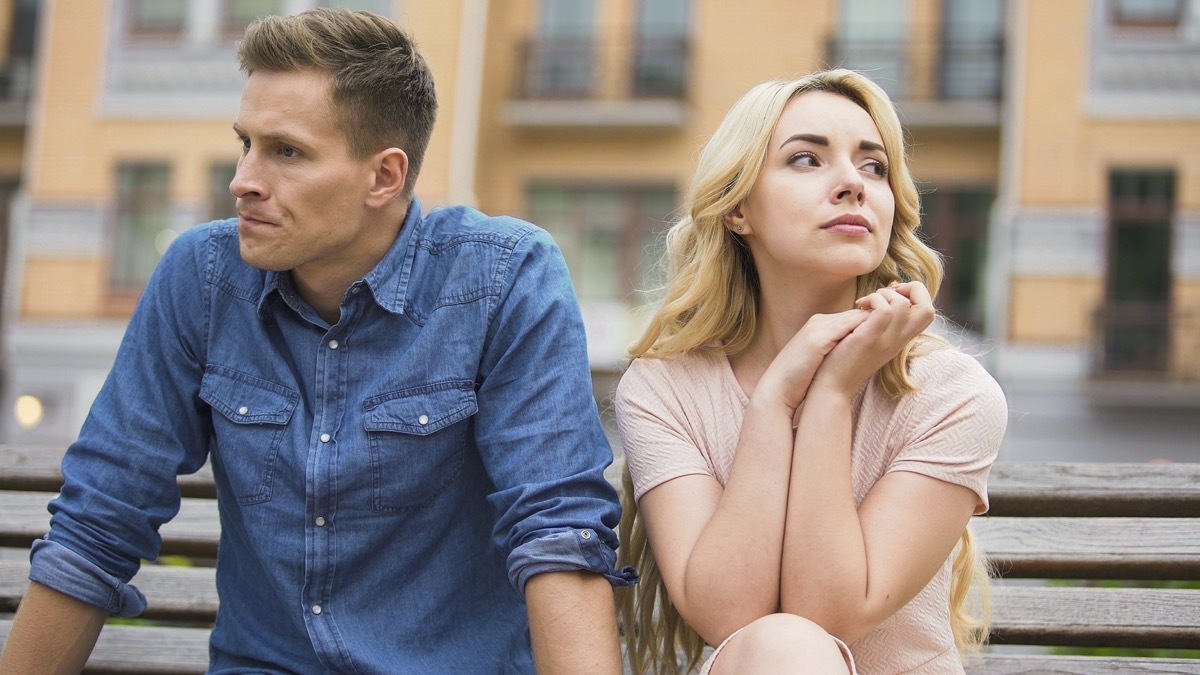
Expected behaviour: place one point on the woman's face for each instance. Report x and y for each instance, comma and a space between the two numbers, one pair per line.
822, 204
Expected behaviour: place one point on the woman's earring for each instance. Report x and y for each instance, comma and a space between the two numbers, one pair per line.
739, 229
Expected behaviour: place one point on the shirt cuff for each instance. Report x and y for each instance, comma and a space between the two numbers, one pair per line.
60, 568
569, 550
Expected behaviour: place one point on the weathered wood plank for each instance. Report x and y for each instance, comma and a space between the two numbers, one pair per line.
1022, 664
1096, 617
160, 650
1092, 548
172, 593
1095, 489
37, 468
194, 531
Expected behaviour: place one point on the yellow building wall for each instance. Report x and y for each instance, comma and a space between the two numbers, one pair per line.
1053, 310
1186, 337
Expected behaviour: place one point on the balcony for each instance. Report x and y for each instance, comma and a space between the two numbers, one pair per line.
582, 84
1145, 353
947, 83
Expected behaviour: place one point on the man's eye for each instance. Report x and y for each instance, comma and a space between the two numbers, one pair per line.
287, 151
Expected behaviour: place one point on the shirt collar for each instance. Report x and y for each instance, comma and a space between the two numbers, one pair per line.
387, 281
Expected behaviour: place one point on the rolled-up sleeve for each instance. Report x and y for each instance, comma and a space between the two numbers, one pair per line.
538, 429
143, 430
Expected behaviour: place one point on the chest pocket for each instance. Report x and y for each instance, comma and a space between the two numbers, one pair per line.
249, 418
418, 445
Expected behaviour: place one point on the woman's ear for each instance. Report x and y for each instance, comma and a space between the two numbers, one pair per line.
736, 221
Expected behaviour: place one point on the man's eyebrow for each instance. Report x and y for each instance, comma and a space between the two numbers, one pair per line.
277, 137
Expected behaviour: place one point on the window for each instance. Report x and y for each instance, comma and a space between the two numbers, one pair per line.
142, 224
660, 65
955, 222
221, 203
611, 237
971, 49
872, 38
237, 14
1146, 13
1135, 319
158, 18
561, 60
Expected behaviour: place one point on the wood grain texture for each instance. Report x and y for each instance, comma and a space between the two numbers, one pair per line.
1092, 548
1095, 489
193, 532
37, 468
172, 593
997, 664
1096, 617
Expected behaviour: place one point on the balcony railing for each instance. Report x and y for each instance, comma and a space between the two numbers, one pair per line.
575, 69
947, 70
1146, 341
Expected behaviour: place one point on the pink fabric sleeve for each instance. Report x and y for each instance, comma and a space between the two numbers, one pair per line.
655, 436
953, 424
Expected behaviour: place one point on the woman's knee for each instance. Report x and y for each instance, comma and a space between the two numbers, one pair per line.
781, 643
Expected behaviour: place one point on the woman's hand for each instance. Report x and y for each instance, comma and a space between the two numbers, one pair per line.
792, 370
893, 316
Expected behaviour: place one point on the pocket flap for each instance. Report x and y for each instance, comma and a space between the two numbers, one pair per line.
421, 410
245, 399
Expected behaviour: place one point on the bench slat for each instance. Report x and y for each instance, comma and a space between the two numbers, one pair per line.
1096, 617
193, 532
172, 593
37, 468
1095, 489
1009, 664
1092, 548
144, 649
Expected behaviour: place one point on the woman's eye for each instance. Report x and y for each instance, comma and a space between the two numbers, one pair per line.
878, 169
803, 159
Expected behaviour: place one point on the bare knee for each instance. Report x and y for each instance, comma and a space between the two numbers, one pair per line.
781, 643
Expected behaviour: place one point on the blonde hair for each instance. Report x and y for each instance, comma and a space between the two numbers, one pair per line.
711, 301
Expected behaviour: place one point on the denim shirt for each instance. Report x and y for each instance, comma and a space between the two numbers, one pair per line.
386, 485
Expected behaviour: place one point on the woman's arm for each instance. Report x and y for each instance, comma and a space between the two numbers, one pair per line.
720, 549
850, 568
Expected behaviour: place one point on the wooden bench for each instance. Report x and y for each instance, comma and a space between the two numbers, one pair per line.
1048, 521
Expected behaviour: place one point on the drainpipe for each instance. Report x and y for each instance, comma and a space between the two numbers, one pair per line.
468, 101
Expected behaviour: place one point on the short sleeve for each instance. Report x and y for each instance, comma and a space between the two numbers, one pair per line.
655, 433
953, 424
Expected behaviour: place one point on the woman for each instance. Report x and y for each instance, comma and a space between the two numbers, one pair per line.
803, 455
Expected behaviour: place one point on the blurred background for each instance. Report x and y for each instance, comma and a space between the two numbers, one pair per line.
1057, 145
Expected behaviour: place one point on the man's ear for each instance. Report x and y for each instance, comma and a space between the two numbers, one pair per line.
737, 222
391, 171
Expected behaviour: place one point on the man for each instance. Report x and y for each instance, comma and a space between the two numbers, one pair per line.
407, 456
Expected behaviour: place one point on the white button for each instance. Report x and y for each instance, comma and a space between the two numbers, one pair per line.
324, 438
586, 534
423, 419
320, 521
356, 289
333, 344
243, 410
316, 609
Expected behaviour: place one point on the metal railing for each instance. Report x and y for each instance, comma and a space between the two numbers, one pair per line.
945, 70
584, 68
1147, 341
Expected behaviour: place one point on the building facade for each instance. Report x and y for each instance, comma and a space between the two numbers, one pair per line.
585, 116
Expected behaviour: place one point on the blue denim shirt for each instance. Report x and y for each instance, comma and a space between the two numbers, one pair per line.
386, 485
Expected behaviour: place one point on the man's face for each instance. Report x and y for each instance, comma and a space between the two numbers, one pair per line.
300, 194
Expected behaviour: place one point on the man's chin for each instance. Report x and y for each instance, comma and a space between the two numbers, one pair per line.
260, 260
